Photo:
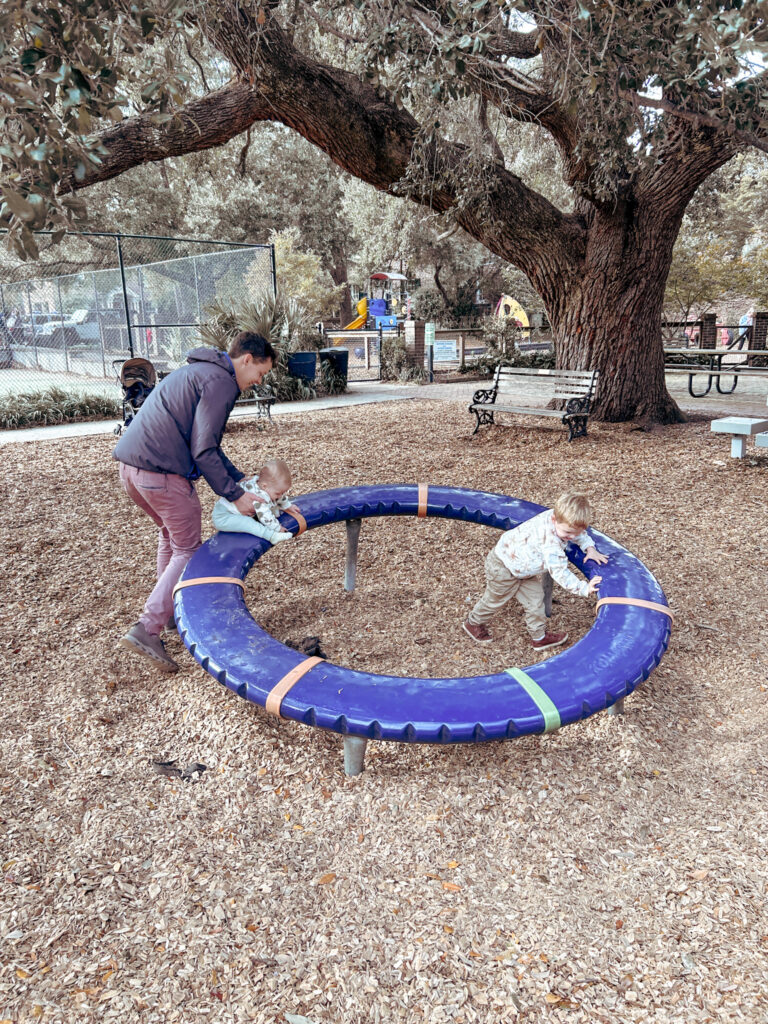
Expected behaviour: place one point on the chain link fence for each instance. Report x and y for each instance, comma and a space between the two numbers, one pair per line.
94, 299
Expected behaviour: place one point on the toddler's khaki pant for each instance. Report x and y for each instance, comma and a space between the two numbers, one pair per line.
500, 586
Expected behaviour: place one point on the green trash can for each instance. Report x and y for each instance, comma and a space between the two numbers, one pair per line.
303, 365
338, 358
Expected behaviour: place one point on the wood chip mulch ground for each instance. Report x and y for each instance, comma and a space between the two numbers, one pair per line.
171, 853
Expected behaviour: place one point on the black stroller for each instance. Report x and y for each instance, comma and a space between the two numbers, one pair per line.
137, 378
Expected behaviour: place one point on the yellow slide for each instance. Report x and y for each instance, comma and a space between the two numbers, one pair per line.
362, 319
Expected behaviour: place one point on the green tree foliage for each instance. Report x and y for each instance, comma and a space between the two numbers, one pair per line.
719, 259
641, 101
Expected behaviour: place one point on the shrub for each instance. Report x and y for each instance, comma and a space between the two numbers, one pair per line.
396, 362
501, 337
283, 321
54, 405
331, 382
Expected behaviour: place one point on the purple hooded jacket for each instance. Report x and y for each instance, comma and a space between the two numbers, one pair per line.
179, 427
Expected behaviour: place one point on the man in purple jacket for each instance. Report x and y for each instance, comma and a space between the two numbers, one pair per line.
174, 439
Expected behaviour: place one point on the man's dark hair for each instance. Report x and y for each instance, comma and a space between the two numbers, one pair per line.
249, 341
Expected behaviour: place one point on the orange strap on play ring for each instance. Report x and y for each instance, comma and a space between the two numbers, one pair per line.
209, 579
300, 520
421, 510
637, 601
279, 690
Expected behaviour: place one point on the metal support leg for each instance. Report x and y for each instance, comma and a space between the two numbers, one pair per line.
350, 568
617, 708
547, 582
354, 754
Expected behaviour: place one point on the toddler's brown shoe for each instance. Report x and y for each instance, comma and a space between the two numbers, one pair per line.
478, 633
549, 640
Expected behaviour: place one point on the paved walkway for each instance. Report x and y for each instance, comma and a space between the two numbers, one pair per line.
357, 395
748, 400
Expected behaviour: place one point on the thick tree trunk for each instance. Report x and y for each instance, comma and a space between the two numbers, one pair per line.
609, 317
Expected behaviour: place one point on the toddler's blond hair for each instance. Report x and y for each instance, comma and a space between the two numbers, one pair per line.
574, 509
275, 471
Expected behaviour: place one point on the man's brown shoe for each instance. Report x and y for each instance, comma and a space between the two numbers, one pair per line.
549, 640
478, 633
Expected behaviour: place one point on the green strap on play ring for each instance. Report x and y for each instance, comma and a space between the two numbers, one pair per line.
539, 698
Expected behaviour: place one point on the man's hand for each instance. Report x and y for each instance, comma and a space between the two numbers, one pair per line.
593, 584
247, 503
593, 554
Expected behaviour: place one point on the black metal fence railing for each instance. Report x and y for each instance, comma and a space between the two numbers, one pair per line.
94, 298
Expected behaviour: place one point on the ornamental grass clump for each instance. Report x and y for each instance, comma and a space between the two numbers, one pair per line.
54, 405
282, 321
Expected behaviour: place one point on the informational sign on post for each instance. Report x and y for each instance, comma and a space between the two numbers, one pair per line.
446, 350
429, 334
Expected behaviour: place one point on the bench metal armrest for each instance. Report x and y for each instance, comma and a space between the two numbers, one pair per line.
485, 396
577, 406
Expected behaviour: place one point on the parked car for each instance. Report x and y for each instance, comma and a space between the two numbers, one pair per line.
87, 328
25, 329
80, 327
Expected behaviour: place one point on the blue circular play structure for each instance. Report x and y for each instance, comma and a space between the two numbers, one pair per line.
629, 636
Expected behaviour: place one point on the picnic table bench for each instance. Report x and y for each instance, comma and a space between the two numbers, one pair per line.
575, 389
737, 365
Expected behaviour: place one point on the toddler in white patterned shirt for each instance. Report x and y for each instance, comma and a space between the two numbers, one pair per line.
270, 485
516, 567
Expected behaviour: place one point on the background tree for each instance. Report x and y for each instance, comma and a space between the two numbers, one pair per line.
643, 102
718, 261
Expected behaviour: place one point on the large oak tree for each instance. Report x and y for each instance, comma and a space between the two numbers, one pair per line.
644, 99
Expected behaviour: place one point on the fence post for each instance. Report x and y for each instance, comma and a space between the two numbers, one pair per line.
125, 294
759, 331
197, 288
273, 266
144, 315
32, 324
367, 347
98, 319
63, 333
461, 350
414, 342
708, 331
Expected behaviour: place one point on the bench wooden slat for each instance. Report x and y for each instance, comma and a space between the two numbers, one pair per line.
563, 389
521, 409
555, 382
544, 372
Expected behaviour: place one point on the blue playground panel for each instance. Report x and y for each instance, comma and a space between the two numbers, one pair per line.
621, 649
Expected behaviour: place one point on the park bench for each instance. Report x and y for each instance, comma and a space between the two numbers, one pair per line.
574, 390
262, 396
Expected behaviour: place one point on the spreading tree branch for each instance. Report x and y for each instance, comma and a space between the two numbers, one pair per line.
364, 133
698, 118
